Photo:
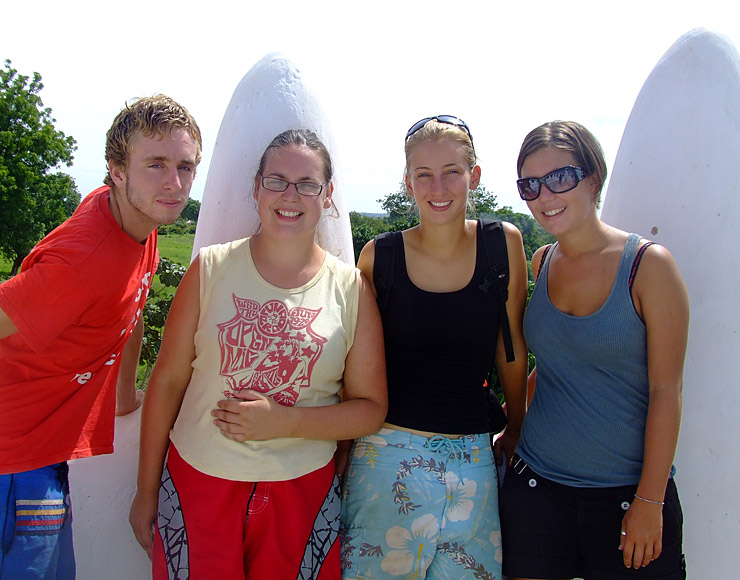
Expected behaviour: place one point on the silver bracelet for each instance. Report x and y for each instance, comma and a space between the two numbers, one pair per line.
649, 500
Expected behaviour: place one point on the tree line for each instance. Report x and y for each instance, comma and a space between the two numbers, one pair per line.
34, 197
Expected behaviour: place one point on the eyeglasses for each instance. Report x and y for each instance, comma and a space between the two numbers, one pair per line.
302, 187
558, 181
447, 119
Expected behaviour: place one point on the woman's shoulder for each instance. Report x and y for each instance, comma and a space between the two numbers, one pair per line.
223, 248
341, 269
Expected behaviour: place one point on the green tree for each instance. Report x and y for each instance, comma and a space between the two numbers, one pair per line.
364, 229
33, 198
186, 222
533, 234
156, 309
191, 211
400, 208
483, 203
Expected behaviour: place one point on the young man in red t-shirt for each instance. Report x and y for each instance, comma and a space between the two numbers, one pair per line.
71, 319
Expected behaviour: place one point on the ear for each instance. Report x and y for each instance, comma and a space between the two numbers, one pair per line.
409, 189
117, 174
256, 188
593, 186
475, 177
329, 193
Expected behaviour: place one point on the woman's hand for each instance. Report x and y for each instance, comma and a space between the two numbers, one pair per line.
641, 540
341, 457
506, 446
143, 518
252, 417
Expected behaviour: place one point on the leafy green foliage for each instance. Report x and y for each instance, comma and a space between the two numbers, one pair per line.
168, 277
400, 208
33, 200
186, 222
191, 211
365, 228
482, 203
533, 234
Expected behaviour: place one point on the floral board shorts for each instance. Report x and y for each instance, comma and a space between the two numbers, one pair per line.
417, 507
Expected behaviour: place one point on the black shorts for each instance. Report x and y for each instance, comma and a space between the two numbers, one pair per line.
550, 530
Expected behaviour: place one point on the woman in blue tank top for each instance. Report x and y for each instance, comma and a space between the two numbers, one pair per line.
591, 493
420, 497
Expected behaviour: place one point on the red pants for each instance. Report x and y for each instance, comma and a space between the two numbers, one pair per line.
234, 530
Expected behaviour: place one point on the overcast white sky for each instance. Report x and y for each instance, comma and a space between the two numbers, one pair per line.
503, 67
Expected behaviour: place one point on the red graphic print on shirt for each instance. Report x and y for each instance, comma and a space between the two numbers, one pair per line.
269, 348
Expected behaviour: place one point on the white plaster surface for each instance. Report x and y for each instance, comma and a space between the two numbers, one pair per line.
676, 180
102, 489
272, 97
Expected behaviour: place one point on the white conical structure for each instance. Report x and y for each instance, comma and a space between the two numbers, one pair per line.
676, 180
271, 98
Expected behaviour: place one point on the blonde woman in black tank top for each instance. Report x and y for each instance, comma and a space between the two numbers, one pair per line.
421, 497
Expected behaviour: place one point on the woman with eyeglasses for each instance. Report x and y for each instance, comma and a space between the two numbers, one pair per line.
420, 497
243, 409
591, 493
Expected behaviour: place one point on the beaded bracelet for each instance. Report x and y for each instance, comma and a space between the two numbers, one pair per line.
649, 500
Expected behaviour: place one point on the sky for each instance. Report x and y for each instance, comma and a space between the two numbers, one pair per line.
377, 67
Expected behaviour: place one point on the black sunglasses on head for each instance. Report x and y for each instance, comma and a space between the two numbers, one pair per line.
558, 181
447, 119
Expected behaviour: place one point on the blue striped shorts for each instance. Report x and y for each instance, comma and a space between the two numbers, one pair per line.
421, 507
36, 525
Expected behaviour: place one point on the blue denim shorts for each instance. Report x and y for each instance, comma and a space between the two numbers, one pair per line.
421, 507
36, 520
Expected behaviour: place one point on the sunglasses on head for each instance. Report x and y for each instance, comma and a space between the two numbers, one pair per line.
446, 119
558, 181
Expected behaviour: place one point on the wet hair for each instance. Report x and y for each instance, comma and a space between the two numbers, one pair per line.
572, 137
435, 131
301, 138
158, 115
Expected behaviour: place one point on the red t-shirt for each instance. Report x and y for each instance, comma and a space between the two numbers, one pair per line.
75, 302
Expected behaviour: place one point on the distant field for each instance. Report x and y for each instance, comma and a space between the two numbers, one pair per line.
177, 247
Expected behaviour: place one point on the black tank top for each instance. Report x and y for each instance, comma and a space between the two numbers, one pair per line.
439, 347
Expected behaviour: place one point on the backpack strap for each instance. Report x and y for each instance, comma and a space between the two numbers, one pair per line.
383, 267
636, 262
497, 256
548, 247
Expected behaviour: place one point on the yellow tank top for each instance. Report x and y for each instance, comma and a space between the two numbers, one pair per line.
289, 344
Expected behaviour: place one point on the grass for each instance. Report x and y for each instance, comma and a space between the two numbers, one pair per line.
177, 247
5, 267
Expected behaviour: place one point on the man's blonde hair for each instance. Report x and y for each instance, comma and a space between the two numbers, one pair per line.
158, 115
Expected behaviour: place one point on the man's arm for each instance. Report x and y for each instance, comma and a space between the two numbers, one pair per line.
6, 325
128, 399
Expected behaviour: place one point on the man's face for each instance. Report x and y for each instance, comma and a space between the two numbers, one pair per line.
156, 181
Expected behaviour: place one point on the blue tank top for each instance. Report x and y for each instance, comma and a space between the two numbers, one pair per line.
586, 424
439, 347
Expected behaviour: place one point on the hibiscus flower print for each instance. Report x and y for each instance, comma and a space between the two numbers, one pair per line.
413, 549
495, 538
458, 494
